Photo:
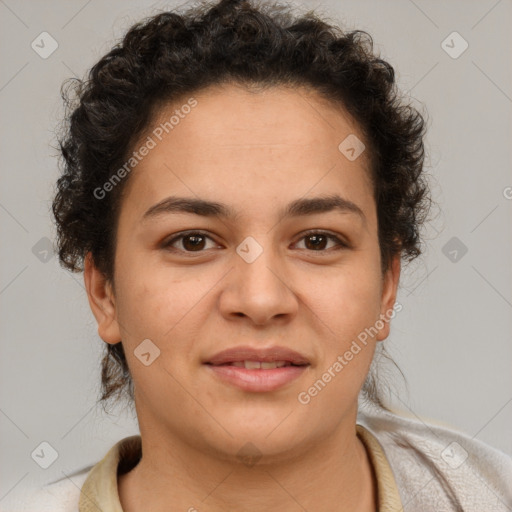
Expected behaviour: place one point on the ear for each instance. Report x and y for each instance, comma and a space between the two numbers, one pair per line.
389, 292
102, 302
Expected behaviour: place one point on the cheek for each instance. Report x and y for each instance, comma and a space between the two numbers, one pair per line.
346, 316
350, 298
152, 307
165, 305
138, 306
347, 313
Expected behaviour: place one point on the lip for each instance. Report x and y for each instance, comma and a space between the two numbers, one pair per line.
246, 353
257, 379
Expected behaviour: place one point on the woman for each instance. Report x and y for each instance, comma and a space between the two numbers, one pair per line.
240, 187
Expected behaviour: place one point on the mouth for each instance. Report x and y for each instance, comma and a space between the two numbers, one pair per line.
258, 365
258, 358
257, 370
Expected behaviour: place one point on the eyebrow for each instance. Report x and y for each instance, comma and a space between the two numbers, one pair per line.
299, 207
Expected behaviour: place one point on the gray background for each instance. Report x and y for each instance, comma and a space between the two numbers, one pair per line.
452, 339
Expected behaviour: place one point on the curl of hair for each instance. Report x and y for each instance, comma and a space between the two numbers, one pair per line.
170, 56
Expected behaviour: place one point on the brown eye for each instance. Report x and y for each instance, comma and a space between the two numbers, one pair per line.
190, 242
318, 240
193, 242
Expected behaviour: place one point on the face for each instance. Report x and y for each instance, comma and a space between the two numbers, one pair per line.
259, 274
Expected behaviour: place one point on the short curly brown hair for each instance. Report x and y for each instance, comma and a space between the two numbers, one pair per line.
170, 55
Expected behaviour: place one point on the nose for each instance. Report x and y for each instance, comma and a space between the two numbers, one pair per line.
260, 290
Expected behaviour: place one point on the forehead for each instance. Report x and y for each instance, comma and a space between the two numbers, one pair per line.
249, 144
229, 114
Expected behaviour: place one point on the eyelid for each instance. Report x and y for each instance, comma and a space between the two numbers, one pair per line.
338, 239
340, 242
183, 234
319, 231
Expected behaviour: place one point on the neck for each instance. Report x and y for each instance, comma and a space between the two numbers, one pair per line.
334, 475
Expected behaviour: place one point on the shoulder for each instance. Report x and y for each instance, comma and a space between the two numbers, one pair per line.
437, 465
59, 496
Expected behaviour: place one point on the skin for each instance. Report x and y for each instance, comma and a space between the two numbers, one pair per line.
256, 152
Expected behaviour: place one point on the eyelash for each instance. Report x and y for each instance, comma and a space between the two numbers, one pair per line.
167, 244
